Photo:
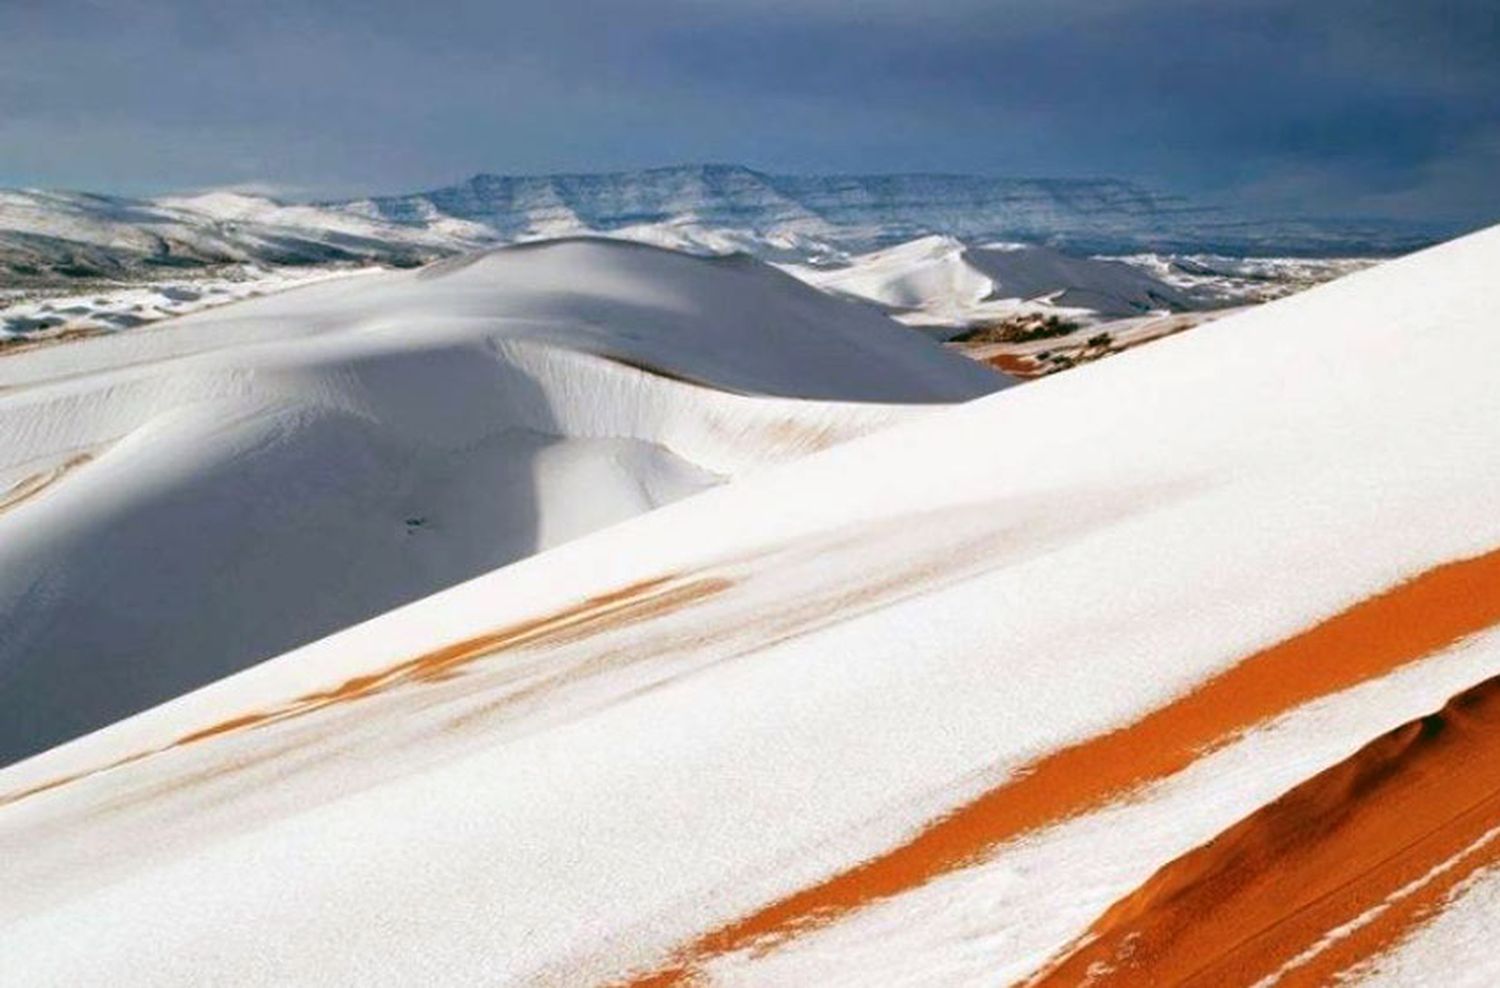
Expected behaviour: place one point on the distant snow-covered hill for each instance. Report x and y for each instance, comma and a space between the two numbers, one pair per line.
75, 234
941, 281
798, 214
715, 205
703, 208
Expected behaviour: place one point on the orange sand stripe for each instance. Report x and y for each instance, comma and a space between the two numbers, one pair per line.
1015, 365
620, 608
1366, 641
1395, 827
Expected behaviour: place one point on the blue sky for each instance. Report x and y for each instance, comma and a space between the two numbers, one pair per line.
1317, 107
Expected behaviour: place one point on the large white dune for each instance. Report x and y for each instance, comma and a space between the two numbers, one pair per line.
234, 484
941, 281
618, 756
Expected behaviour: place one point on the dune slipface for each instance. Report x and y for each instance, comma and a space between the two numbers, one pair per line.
181, 501
1402, 625
1331, 873
1126, 673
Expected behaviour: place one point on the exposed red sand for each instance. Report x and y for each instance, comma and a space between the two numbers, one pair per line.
1015, 365
1365, 641
1022, 359
1361, 851
995, 355
616, 609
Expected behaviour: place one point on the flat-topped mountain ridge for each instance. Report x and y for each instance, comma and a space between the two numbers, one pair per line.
49, 235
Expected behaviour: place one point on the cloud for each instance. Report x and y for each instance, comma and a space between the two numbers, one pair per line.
1364, 100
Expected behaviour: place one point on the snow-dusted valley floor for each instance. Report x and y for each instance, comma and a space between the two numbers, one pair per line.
590, 613
68, 309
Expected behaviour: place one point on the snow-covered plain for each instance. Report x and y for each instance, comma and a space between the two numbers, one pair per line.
1216, 279
728, 738
63, 310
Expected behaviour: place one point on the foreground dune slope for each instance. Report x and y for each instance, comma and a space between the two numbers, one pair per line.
917, 709
1318, 880
181, 501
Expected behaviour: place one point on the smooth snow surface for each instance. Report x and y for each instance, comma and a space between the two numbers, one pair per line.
187, 499
940, 281
577, 767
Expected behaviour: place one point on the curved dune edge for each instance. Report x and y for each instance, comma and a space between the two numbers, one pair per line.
1365, 641
620, 608
1334, 871
32, 486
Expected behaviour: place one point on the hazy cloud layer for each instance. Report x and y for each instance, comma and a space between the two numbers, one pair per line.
1331, 107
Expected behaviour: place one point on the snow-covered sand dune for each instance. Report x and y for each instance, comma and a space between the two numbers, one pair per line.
941, 281
916, 709
48, 238
188, 499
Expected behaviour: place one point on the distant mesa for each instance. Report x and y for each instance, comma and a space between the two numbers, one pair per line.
702, 208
